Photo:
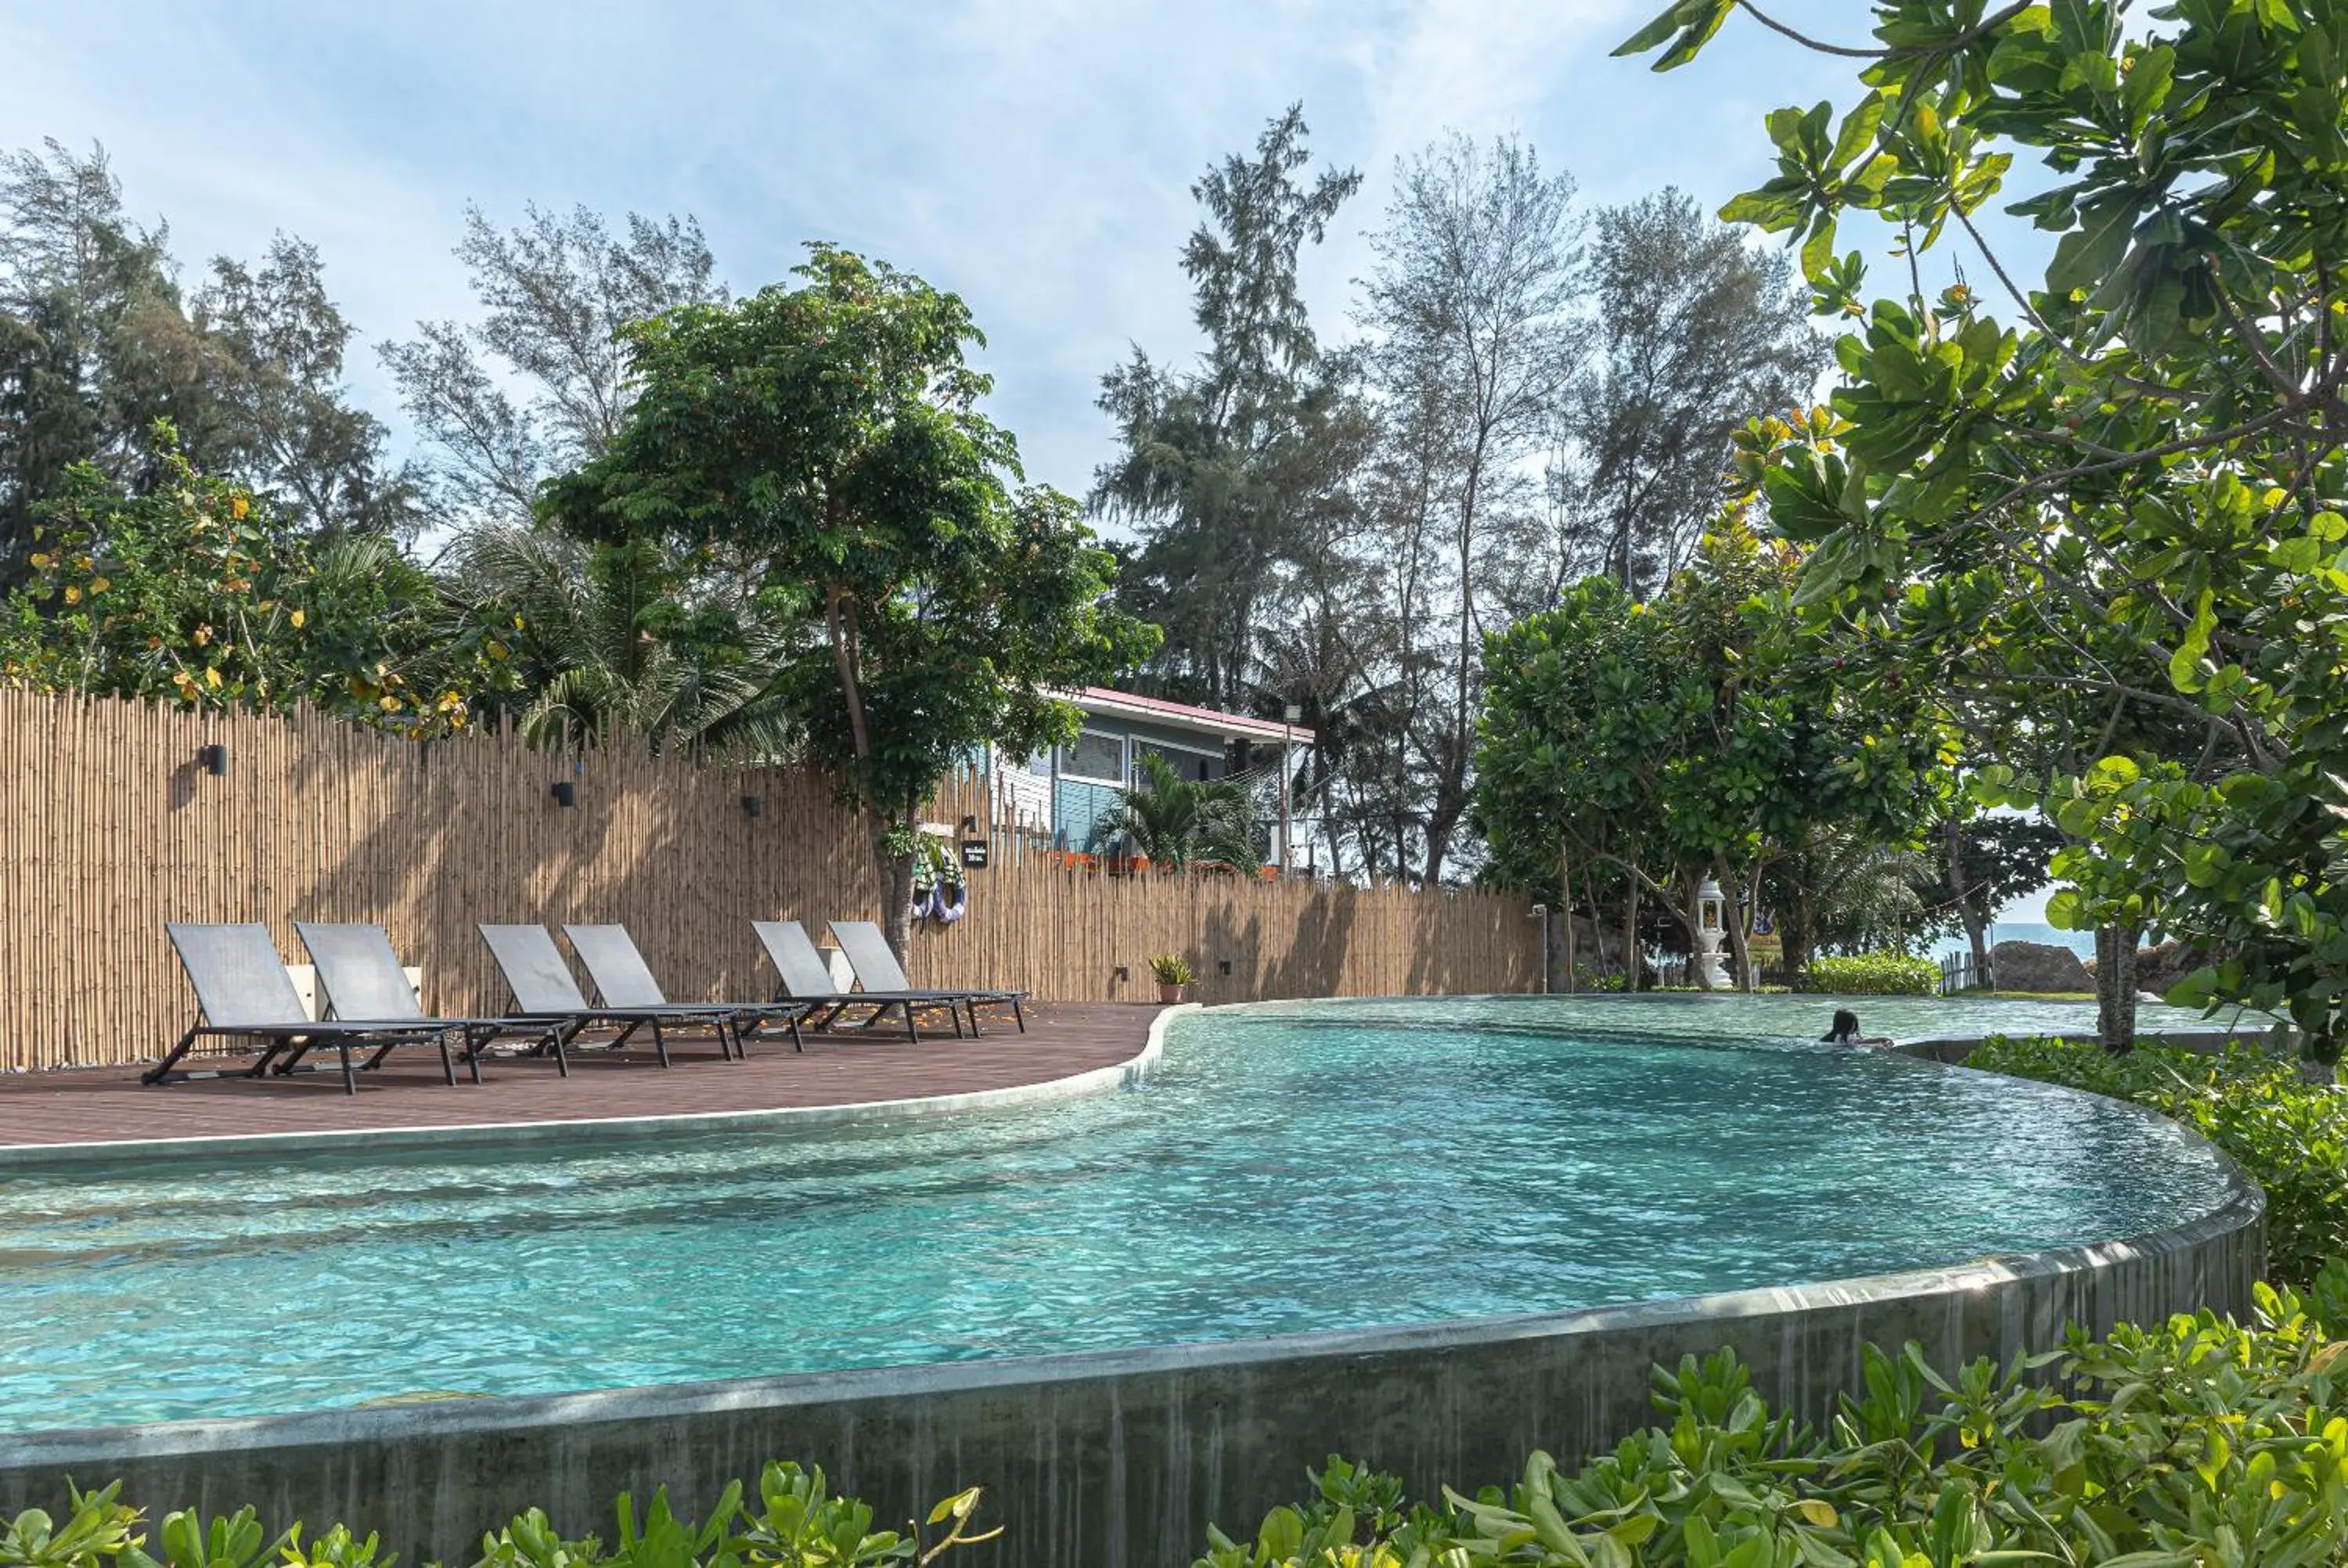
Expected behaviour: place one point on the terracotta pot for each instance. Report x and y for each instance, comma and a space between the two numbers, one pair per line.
1167, 994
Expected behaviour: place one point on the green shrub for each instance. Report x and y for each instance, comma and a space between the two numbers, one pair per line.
1875, 975
2193, 1444
793, 1523
2290, 1135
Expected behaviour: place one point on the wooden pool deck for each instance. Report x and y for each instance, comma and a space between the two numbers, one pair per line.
110, 1105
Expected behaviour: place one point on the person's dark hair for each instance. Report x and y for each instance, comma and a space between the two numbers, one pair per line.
1846, 1026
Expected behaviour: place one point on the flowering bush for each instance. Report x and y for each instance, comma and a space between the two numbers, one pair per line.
198, 593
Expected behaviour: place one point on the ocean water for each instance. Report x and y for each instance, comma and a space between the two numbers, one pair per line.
1289, 1168
2080, 942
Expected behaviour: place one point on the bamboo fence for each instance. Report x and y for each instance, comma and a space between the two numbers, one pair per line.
109, 825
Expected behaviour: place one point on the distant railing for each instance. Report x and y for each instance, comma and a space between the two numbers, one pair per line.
1959, 973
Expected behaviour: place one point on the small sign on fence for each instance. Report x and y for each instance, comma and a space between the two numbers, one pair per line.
973, 854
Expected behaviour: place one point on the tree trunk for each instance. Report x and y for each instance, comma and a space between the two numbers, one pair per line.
1794, 932
1739, 910
1563, 904
896, 896
1631, 964
1977, 922
2116, 987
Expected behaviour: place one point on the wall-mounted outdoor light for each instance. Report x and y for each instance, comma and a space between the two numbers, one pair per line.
566, 794
213, 760
1122, 973
1223, 966
969, 824
754, 805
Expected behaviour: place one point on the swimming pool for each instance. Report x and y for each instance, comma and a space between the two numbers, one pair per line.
1287, 1168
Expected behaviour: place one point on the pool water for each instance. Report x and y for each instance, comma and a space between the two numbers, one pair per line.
1287, 1168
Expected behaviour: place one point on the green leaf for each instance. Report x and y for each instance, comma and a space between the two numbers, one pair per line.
1818, 252
2090, 254
2185, 664
1858, 128
1673, 19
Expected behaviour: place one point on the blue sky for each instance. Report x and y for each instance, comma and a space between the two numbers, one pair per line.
1034, 155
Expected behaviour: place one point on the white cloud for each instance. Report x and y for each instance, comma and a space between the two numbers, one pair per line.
1035, 154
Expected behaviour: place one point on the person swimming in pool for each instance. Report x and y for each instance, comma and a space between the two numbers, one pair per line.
1846, 1031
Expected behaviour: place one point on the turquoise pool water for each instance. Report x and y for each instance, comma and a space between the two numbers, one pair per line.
1287, 1168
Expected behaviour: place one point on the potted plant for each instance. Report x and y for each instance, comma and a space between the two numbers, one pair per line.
1173, 972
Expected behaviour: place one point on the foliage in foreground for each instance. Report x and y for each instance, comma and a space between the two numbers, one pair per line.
2194, 1442
792, 1523
1876, 975
2109, 518
2290, 1135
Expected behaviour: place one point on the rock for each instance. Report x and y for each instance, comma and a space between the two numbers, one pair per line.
2159, 968
2038, 966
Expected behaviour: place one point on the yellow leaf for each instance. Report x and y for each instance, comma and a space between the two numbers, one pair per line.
73, 595
296, 617
238, 508
212, 678
1817, 1511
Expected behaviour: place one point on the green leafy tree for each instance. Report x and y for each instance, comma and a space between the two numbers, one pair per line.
201, 594
540, 384
1473, 300
2130, 494
1180, 823
98, 341
626, 638
1232, 472
831, 431
1704, 735
1695, 334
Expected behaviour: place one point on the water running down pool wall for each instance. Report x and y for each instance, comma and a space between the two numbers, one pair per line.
1118, 1458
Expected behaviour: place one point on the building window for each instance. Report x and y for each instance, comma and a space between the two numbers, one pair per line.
1095, 757
1196, 766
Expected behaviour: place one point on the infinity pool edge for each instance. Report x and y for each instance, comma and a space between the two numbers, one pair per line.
1118, 1458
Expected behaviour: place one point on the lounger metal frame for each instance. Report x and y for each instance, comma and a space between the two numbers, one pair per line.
804, 978
622, 978
359, 972
545, 991
867, 951
240, 996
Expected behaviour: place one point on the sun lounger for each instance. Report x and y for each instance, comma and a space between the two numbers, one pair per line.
806, 979
242, 989
361, 975
544, 989
877, 969
623, 978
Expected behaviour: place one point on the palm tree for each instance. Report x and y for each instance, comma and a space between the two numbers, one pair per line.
1179, 822
606, 641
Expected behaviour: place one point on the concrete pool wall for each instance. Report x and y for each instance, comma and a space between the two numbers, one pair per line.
1120, 1459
